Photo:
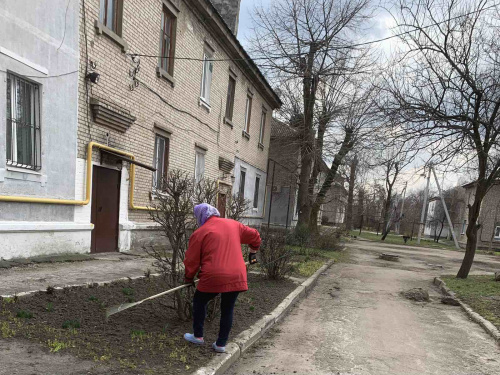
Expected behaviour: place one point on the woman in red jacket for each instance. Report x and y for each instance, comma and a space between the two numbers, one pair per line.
214, 253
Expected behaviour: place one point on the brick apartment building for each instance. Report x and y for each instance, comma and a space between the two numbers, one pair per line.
162, 85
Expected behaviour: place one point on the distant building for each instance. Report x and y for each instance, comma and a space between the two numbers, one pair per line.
282, 182
489, 217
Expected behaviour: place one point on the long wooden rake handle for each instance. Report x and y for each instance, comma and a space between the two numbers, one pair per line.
124, 306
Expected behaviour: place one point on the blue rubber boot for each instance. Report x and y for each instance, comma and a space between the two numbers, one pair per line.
194, 340
219, 349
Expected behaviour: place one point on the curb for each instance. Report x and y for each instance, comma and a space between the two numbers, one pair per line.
246, 339
487, 325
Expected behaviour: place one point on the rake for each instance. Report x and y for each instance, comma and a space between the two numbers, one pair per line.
124, 306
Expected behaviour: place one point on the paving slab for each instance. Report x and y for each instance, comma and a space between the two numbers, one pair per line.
66, 271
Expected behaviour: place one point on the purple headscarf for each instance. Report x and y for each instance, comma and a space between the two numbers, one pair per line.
203, 212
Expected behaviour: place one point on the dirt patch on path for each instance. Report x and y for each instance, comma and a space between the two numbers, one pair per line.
146, 339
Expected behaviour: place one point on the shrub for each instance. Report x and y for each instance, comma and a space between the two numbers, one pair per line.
274, 255
327, 239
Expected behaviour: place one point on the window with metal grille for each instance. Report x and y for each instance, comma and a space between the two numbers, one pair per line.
162, 146
168, 25
231, 87
256, 192
23, 123
110, 15
206, 80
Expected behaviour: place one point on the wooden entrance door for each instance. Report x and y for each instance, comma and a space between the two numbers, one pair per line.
221, 204
105, 209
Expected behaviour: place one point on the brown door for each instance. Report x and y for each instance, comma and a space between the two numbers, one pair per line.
105, 209
221, 204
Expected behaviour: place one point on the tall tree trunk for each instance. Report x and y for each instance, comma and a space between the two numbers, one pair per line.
387, 213
347, 144
472, 228
307, 141
350, 194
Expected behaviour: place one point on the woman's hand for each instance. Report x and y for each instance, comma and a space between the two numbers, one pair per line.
252, 258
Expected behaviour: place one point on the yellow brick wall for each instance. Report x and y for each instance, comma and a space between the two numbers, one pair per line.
141, 30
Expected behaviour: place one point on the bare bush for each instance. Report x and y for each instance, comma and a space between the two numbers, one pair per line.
237, 206
274, 255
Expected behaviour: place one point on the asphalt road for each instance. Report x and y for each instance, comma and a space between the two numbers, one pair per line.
356, 322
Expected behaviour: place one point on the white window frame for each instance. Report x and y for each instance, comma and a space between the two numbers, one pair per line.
199, 158
255, 203
248, 113
263, 118
241, 186
464, 227
206, 75
157, 159
495, 233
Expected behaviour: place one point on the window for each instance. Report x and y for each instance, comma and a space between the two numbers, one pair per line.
206, 80
262, 126
168, 26
248, 114
464, 227
110, 15
256, 192
243, 174
231, 87
497, 232
199, 168
23, 123
162, 146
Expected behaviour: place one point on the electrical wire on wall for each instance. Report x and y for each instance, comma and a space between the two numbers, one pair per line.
89, 124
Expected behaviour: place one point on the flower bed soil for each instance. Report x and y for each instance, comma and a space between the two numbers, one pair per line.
146, 339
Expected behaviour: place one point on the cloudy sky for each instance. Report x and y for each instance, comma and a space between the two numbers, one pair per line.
381, 26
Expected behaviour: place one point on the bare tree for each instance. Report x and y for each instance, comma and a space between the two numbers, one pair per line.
353, 165
446, 89
302, 44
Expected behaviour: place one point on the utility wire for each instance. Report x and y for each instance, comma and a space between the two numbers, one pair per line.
271, 57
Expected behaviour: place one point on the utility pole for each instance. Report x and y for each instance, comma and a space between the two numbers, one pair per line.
401, 214
450, 224
424, 207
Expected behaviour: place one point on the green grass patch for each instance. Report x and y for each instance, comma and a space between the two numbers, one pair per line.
71, 324
481, 293
395, 239
24, 314
128, 291
308, 268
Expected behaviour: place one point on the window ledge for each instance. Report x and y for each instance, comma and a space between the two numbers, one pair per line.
245, 135
205, 105
228, 122
164, 74
102, 29
23, 170
261, 146
21, 174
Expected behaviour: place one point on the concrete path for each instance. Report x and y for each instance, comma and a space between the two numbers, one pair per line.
355, 322
105, 267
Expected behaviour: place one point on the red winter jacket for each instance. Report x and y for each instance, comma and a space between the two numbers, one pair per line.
215, 250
